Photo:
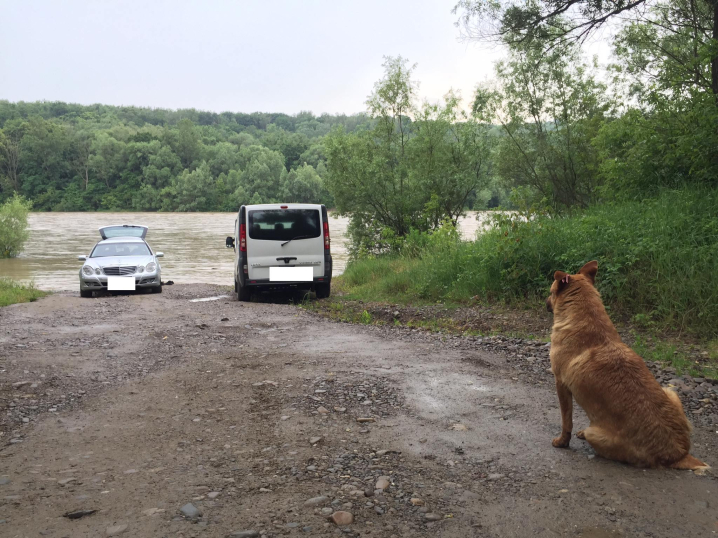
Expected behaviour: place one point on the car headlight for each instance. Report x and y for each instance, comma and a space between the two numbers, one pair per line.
98, 271
151, 267
87, 270
140, 269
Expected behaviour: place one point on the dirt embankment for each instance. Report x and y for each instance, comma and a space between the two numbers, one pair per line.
160, 416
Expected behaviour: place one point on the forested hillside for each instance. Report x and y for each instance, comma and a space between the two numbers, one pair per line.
68, 157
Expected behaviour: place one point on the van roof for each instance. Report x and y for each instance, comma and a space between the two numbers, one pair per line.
279, 206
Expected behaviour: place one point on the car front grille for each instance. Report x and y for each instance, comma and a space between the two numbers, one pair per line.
120, 271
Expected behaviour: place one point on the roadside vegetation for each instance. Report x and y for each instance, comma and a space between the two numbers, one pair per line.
655, 261
12, 292
624, 171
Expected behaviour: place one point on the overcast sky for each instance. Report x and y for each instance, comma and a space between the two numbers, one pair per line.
241, 55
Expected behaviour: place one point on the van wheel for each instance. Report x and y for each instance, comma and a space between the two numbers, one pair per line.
243, 294
323, 290
85, 294
236, 287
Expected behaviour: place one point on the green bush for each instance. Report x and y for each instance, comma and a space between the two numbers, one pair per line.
12, 292
13, 226
656, 259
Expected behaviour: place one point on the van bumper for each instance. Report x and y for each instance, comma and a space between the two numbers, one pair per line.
244, 281
265, 284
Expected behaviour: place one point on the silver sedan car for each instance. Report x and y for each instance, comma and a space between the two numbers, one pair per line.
122, 261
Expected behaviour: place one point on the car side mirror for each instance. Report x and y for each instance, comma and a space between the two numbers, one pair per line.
159, 254
230, 242
82, 258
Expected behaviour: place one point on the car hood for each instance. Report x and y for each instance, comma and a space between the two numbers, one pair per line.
114, 261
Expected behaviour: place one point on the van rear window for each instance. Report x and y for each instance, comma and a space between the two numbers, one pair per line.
284, 224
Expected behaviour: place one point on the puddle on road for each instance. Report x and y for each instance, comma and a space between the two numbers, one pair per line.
203, 299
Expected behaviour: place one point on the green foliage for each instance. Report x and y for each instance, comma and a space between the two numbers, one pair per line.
11, 292
655, 258
669, 65
416, 166
549, 108
13, 226
67, 157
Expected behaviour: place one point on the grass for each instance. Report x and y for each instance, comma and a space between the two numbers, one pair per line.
12, 292
656, 274
656, 262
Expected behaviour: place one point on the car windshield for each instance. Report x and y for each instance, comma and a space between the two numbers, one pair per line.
120, 249
284, 224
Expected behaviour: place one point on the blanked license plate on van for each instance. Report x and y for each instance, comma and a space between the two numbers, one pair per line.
291, 274
120, 283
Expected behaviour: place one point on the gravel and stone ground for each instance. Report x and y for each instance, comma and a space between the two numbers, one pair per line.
160, 415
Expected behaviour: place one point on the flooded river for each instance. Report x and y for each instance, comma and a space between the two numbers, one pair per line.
193, 245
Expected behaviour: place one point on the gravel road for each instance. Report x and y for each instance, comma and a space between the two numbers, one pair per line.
161, 415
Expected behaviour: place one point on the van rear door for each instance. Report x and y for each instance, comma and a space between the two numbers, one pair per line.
290, 237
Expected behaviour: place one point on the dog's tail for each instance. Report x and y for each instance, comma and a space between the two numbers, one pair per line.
690, 463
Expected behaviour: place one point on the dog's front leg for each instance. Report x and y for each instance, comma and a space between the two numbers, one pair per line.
565, 400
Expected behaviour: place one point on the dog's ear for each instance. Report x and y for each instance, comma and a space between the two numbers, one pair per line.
562, 278
589, 270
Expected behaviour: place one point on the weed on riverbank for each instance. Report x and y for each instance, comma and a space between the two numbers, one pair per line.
656, 262
12, 292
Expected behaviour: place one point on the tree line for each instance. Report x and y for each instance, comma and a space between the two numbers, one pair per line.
546, 133
67, 157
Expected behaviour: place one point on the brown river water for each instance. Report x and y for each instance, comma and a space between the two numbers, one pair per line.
192, 243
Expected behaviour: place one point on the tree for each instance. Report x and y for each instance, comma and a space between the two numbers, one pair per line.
302, 185
10, 138
107, 158
194, 191
450, 158
44, 156
549, 108
413, 169
669, 137
670, 50
13, 226
188, 144
368, 174
576, 20
261, 173
81, 153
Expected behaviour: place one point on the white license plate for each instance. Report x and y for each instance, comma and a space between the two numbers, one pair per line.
291, 274
120, 283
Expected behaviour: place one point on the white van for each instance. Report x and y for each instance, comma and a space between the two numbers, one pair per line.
280, 246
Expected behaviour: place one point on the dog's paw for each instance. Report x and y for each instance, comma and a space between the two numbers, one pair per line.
562, 441
580, 434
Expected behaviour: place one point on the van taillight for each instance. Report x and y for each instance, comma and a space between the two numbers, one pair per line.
242, 238
326, 235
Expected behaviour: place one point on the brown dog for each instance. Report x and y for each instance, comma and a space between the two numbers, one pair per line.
633, 419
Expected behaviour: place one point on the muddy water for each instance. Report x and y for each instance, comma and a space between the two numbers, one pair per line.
193, 244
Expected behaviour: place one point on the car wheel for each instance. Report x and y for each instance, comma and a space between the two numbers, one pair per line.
85, 294
236, 286
243, 294
157, 289
323, 290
